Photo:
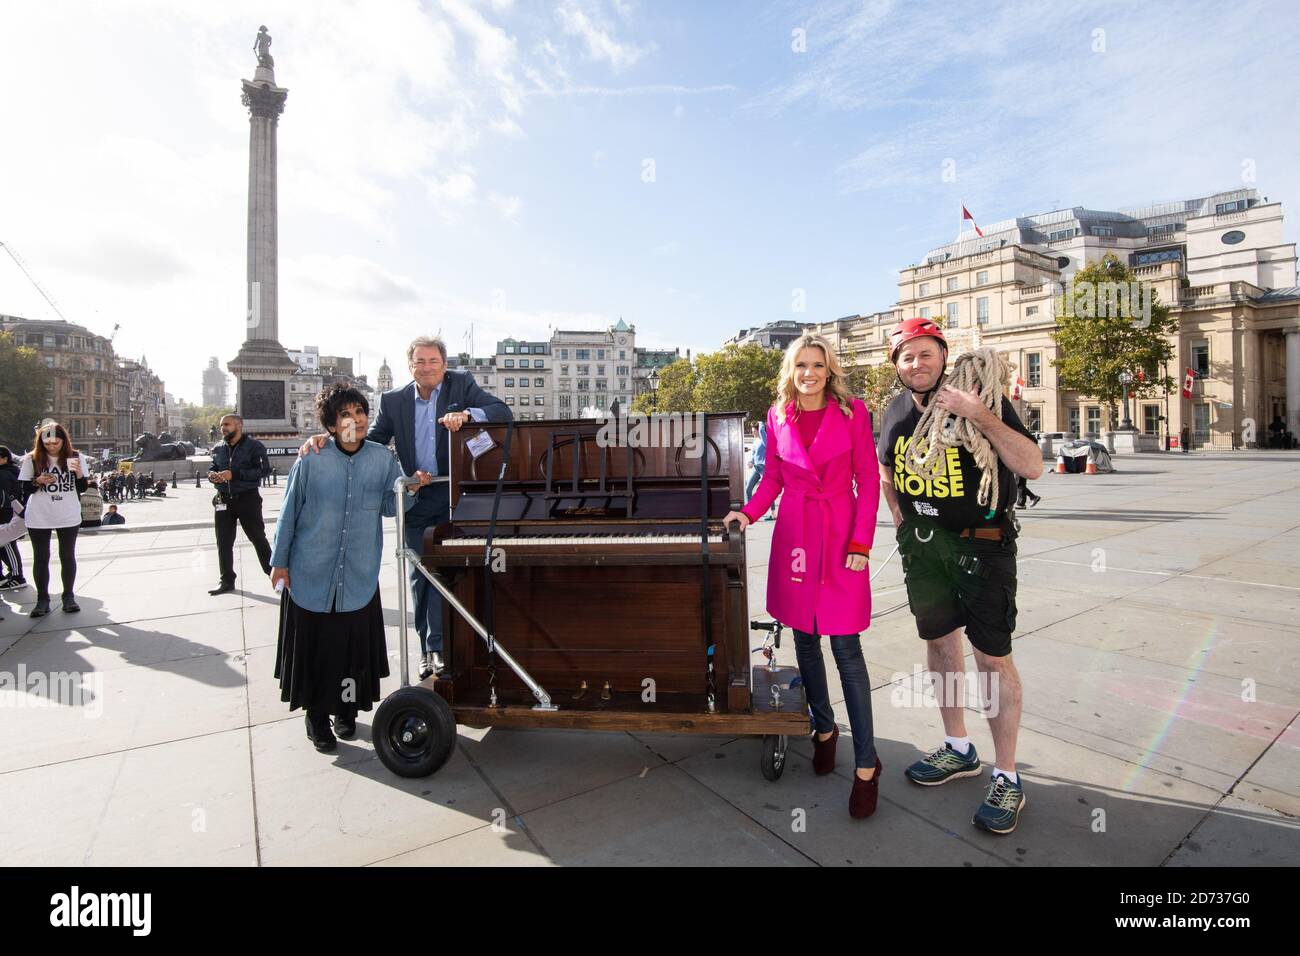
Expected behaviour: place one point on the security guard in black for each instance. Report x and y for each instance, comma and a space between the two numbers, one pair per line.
237, 499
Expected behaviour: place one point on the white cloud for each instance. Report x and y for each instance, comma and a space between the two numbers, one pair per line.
587, 23
507, 206
133, 206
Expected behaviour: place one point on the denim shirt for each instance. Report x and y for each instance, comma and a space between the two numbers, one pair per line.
330, 534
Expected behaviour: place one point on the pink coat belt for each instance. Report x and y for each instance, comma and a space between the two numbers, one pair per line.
821, 497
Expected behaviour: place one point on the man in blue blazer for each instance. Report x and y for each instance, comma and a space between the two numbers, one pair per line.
416, 418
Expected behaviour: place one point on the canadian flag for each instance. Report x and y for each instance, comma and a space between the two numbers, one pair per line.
1188, 379
965, 215
1017, 387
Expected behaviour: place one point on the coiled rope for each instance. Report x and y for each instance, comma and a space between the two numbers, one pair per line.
939, 429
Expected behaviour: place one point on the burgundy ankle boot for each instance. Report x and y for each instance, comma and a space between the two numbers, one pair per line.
824, 752
862, 801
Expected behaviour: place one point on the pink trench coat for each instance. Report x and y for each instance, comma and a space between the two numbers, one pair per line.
819, 515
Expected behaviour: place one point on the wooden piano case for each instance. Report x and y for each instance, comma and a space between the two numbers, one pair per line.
627, 619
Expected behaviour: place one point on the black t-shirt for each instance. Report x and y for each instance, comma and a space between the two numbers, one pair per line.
951, 499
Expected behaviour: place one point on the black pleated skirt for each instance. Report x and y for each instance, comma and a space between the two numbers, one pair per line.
331, 663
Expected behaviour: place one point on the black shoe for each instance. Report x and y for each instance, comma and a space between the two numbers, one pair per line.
1035, 501
225, 587
320, 735
345, 728
70, 604
42, 607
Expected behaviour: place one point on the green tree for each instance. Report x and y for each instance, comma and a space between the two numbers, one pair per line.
675, 393
200, 420
24, 381
738, 378
1108, 323
879, 386
855, 375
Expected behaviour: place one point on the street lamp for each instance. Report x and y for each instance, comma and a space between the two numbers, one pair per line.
654, 389
1126, 379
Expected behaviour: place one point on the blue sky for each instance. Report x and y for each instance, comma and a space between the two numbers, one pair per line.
448, 163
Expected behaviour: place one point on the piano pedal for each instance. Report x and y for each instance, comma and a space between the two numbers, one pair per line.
581, 692
607, 692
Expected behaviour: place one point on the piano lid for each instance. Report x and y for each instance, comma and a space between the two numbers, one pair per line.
638, 467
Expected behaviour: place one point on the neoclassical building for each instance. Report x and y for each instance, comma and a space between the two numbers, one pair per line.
102, 402
1218, 261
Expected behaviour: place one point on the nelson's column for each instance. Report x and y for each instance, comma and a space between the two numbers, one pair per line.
263, 367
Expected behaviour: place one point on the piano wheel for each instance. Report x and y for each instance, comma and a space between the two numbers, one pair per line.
772, 757
414, 731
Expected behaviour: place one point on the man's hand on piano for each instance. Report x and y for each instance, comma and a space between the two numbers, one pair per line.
738, 516
313, 444
452, 421
856, 562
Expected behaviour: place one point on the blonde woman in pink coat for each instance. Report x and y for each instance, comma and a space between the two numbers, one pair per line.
821, 460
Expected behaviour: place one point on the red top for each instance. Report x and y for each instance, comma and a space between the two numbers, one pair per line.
809, 423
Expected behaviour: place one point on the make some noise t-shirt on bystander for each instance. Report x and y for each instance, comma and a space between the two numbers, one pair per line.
55, 505
950, 499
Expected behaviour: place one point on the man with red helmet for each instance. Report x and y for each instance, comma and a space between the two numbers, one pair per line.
959, 562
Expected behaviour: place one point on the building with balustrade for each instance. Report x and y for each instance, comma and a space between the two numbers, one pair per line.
1219, 261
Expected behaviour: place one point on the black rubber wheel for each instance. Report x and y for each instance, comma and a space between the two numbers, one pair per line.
414, 732
771, 759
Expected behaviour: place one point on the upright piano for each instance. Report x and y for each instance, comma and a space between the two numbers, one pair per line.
597, 558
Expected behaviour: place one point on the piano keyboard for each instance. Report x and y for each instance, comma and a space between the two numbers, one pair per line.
589, 549
596, 540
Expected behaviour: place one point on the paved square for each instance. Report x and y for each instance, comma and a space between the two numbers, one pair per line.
1159, 645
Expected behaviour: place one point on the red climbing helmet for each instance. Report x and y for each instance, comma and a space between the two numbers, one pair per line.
910, 329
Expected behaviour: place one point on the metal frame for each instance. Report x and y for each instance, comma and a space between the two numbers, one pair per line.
405, 554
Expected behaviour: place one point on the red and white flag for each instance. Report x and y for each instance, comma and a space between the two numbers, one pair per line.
1188, 379
965, 215
1018, 387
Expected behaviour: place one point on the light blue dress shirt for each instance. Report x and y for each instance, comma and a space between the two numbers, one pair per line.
330, 533
426, 428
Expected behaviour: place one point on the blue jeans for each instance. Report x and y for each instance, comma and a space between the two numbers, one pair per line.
754, 479
847, 649
430, 509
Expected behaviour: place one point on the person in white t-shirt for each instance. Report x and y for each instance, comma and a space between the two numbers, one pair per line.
54, 476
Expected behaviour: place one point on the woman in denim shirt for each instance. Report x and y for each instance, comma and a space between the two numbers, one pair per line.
328, 544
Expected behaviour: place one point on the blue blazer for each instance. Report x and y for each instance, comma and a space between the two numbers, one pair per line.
396, 419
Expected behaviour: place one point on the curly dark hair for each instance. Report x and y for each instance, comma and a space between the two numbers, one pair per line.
335, 397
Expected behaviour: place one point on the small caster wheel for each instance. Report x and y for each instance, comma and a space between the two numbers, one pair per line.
772, 758
414, 732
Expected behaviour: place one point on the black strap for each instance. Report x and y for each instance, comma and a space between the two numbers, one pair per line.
706, 589
489, 611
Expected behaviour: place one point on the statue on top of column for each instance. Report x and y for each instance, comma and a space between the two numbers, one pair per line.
262, 47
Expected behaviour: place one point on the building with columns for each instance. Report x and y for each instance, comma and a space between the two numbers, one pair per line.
1218, 261
384, 381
